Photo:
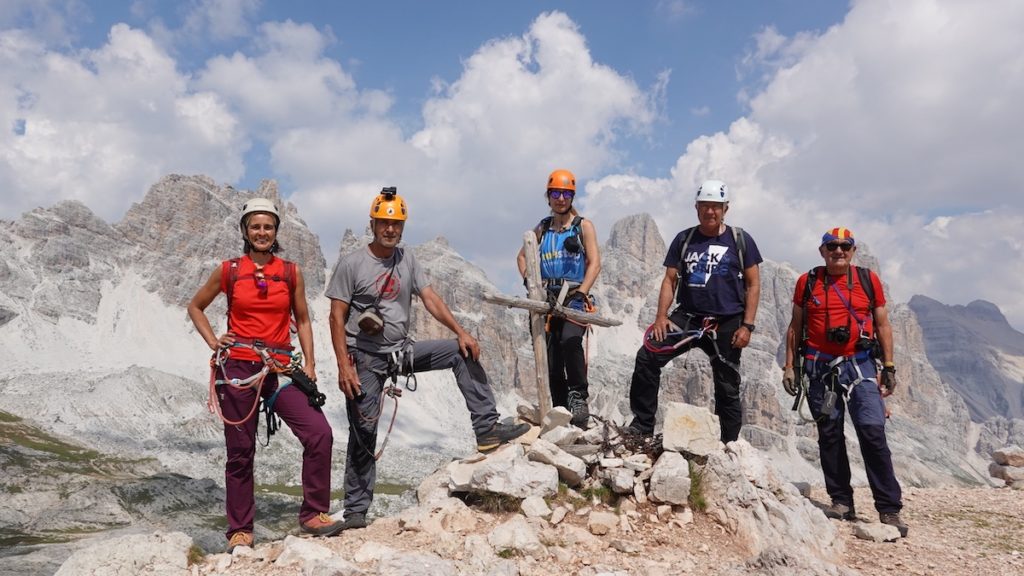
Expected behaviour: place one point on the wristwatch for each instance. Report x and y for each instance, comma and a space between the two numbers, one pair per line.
748, 326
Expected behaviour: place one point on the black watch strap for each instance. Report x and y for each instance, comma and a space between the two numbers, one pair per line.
748, 326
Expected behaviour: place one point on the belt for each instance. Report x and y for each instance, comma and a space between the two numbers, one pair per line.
272, 347
815, 355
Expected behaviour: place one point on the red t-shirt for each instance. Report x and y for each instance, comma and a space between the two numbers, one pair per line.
826, 303
255, 315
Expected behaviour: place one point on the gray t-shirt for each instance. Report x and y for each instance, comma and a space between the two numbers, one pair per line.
360, 277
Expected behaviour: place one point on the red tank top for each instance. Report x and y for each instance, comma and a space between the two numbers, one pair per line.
257, 313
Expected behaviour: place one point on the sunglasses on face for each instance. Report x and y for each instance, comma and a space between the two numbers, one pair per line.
556, 193
831, 246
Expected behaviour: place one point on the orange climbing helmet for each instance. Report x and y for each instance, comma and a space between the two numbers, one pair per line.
389, 205
562, 180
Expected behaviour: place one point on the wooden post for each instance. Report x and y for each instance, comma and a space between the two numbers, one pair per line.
540, 351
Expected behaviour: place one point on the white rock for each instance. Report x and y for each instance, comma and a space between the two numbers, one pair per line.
610, 462
670, 481
620, 480
692, 429
157, 553
505, 471
416, 564
557, 416
570, 469
558, 514
876, 532
562, 435
664, 512
299, 551
601, 523
517, 534
1009, 456
639, 492
535, 507
334, 566
373, 552
637, 462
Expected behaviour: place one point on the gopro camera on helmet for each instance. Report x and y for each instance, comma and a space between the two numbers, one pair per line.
839, 335
389, 191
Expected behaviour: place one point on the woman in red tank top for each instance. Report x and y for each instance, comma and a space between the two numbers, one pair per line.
264, 292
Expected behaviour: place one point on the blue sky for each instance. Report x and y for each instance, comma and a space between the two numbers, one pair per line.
898, 119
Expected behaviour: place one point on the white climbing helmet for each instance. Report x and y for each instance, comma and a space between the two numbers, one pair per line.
713, 191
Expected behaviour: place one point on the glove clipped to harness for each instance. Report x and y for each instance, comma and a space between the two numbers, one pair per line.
789, 381
888, 380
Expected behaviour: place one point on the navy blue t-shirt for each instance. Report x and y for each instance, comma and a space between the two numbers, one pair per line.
711, 283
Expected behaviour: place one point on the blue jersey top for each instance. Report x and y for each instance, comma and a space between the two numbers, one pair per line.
557, 263
711, 283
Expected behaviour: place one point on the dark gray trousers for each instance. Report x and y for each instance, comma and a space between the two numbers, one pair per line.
360, 465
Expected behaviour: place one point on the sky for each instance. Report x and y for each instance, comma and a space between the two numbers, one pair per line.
894, 118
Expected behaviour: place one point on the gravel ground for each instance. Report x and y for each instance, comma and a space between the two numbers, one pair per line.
966, 531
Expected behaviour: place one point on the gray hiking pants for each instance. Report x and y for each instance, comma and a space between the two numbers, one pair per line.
360, 465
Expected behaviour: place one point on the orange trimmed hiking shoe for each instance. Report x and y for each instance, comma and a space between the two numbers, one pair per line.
239, 539
322, 525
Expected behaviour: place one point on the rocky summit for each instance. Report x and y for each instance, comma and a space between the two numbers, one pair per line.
104, 432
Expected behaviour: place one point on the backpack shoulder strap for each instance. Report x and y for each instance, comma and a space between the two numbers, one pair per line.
812, 276
542, 227
682, 251
741, 245
229, 272
290, 279
867, 285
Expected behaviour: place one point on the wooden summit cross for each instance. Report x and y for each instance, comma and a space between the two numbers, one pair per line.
539, 307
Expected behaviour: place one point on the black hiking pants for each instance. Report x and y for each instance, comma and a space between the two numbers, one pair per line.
725, 369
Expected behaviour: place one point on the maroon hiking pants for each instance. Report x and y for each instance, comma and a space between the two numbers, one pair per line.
308, 425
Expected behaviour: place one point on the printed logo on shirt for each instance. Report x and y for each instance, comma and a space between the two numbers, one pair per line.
700, 266
389, 292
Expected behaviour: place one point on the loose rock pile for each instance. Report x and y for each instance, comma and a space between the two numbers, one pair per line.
1008, 465
566, 500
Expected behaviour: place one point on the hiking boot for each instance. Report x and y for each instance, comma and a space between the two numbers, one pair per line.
499, 434
579, 409
355, 520
635, 431
239, 539
839, 511
893, 519
322, 525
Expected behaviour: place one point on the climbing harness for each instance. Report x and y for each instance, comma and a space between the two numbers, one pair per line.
831, 381
291, 374
399, 364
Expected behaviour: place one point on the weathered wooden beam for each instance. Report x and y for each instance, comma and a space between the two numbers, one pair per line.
544, 308
540, 351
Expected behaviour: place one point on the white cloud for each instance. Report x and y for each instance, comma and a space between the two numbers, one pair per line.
103, 125
475, 172
900, 123
220, 19
51, 21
